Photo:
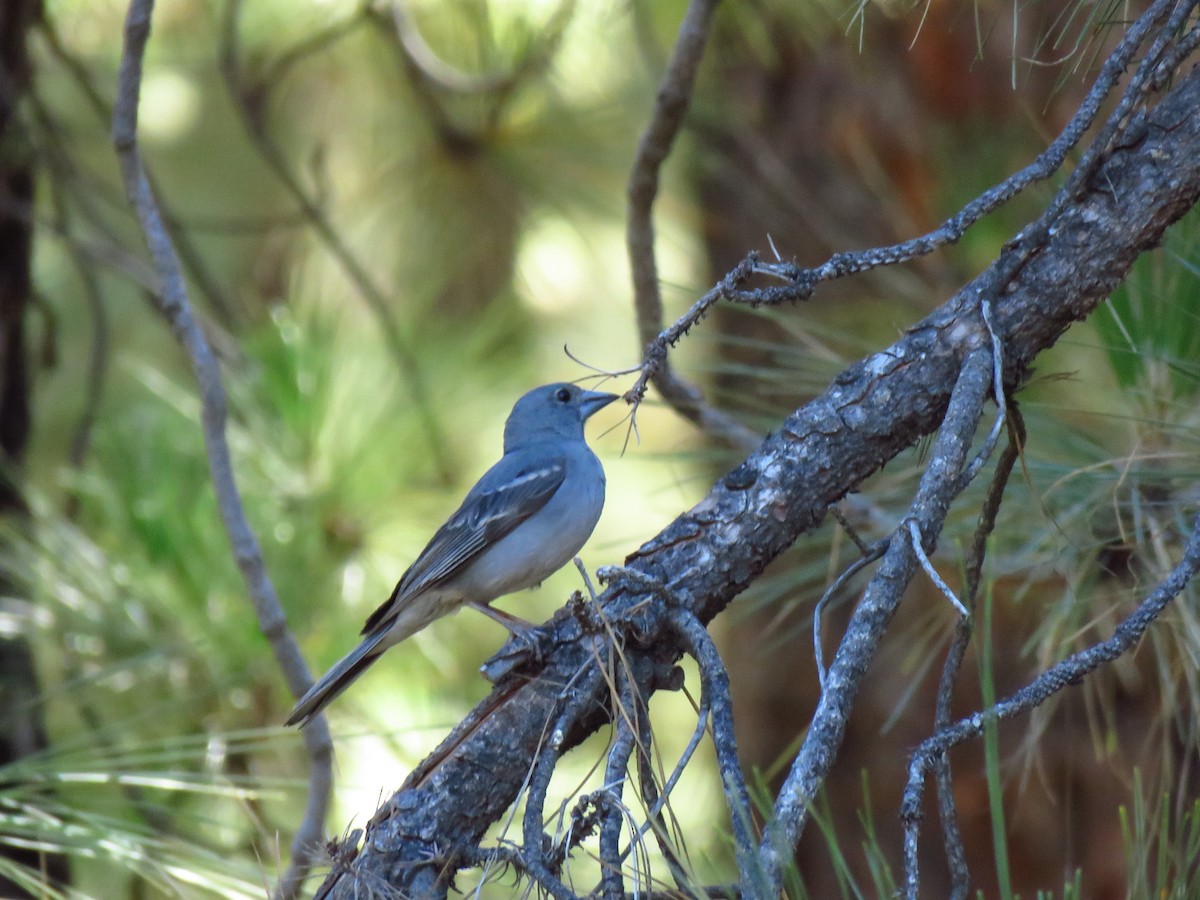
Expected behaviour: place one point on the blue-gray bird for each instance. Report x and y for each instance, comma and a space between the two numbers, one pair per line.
523, 520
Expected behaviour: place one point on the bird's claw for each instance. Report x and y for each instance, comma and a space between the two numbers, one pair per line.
522, 650
526, 642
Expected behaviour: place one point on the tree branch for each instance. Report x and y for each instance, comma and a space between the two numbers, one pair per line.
674, 95
955, 853
1059, 676
799, 283
176, 309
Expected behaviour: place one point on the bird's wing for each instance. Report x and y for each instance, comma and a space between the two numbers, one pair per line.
508, 494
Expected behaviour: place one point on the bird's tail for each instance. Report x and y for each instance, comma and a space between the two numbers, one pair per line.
337, 679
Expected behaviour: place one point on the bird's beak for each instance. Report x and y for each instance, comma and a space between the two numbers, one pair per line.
594, 401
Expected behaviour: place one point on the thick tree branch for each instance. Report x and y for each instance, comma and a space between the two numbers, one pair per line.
1055, 275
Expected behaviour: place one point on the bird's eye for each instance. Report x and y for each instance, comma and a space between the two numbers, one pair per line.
563, 395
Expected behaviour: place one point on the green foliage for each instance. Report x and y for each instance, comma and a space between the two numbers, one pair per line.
136, 819
1150, 327
882, 878
129, 790
1162, 843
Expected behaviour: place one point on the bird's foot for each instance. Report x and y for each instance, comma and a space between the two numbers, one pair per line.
526, 642
524, 650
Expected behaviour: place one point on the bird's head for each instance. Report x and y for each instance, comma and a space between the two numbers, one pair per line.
552, 411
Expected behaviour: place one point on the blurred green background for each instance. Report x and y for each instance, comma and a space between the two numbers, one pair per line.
391, 228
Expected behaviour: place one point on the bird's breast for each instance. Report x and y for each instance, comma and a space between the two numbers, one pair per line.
546, 541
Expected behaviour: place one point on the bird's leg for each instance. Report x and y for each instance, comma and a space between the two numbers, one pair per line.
514, 624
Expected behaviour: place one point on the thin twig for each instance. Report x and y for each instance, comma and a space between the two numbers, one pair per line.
580, 685
175, 307
715, 685
851, 531
1059, 676
654, 804
97, 369
484, 858
870, 555
914, 532
274, 71
435, 82
998, 394
437, 74
693, 744
538, 780
217, 298
1140, 84
625, 717
960, 880
674, 95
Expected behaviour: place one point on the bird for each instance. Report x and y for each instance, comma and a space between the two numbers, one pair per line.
525, 518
